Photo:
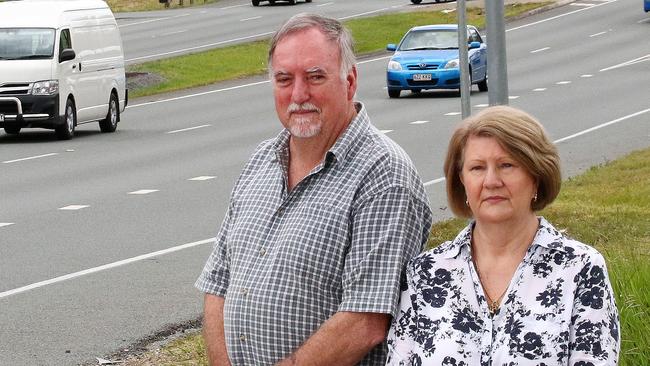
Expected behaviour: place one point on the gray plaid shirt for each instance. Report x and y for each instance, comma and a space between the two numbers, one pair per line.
287, 261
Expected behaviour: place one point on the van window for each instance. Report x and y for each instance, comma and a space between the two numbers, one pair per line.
65, 41
26, 43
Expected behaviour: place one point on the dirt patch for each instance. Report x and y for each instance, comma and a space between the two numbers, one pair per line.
139, 80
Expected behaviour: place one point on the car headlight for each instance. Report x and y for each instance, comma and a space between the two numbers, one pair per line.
452, 64
394, 65
45, 87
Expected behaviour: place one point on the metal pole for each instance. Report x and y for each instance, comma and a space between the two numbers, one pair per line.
463, 61
497, 60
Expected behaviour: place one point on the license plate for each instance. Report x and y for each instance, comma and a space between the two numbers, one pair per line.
421, 77
2, 117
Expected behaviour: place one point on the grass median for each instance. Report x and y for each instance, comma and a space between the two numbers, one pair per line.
238, 61
606, 207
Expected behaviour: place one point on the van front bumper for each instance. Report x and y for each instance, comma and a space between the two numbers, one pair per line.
30, 111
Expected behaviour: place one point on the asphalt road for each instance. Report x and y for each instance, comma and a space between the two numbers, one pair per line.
160, 34
83, 222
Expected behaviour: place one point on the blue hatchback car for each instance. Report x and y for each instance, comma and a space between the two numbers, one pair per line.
646, 5
427, 58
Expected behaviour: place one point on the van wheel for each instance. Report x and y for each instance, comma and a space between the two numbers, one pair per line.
416, 1
307, 1
256, 2
12, 130
66, 130
483, 85
109, 124
292, 2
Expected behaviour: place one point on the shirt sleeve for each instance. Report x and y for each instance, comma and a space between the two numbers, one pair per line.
595, 333
216, 273
402, 347
387, 230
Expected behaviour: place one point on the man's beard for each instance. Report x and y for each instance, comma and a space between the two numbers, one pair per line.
302, 127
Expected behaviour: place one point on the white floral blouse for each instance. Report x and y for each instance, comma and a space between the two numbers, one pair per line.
558, 309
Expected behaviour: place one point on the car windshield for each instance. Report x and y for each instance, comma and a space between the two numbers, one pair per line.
430, 40
26, 43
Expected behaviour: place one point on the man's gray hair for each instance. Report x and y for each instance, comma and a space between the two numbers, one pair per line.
332, 29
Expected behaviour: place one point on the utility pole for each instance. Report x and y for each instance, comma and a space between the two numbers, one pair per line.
463, 61
497, 60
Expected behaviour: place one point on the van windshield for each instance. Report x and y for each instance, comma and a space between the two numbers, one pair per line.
26, 43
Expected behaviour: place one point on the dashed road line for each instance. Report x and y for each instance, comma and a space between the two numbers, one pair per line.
453, 114
3, 224
513, 97
73, 207
540, 49
539, 89
563, 82
251, 18
189, 128
29, 158
597, 34
586, 76
202, 178
144, 191
325, 4
418, 122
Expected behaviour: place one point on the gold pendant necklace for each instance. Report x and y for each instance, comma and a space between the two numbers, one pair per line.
493, 305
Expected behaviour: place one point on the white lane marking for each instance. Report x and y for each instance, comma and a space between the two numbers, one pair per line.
170, 33
362, 14
539, 89
481, 105
645, 20
202, 178
153, 20
419, 122
201, 46
103, 267
558, 16
540, 49
385, 131
628, 63
453, 114
373, 60
3, 224
29, 158
434, 181
597, 34
397, 6
189, 128
73, 207
233, 6
325, 4
563, 82
602, 125
583, 132
197, 94
251, 18
69, 150
586, 76
144, 191
512, 97
581, 4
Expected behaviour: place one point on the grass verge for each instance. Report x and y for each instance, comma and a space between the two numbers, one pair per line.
146, 5
371, 35
606, 207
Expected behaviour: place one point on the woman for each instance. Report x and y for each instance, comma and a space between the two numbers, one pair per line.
510, 289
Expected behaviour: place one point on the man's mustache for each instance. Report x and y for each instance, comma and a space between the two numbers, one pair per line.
303, 107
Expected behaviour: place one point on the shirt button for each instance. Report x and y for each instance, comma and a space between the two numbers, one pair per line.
263, 252
244, 291
242, 338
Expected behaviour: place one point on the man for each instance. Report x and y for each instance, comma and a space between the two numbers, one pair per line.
307, 264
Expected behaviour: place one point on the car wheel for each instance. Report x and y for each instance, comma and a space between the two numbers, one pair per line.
66, 130
256, 2
307, 1
483, 85
12, 130
416, 1
109, 124
272, 2
394, 93
292, 2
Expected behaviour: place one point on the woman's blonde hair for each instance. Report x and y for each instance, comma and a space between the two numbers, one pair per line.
522, 136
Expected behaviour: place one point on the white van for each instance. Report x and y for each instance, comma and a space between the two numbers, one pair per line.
61, 64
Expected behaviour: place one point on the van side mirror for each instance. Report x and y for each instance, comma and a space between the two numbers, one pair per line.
391, 47
474, 44
67, 54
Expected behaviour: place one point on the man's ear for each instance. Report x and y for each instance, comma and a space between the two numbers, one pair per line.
352, 82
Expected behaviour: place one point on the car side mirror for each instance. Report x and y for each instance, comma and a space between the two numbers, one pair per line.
474, 44
391, 47
67, 54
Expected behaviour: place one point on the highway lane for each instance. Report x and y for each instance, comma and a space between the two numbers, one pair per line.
153, 35
98, 313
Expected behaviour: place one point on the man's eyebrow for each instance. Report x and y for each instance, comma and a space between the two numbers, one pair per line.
316, 69
280, 73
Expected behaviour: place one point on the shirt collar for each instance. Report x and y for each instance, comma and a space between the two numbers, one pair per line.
547, 236
341, 147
